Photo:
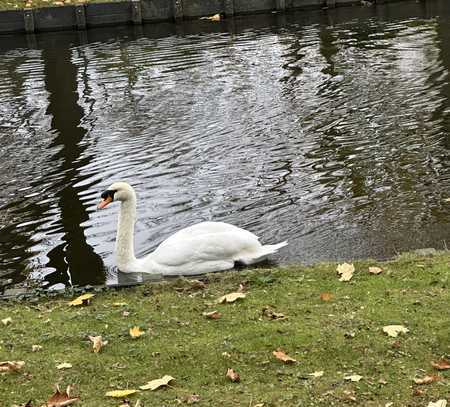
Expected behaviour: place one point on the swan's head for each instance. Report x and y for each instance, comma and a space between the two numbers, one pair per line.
119, 191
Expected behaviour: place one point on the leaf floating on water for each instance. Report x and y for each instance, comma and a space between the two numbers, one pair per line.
346, 271
60, 399
442, 364
395, 330
233, 375
136, 332
215, 17
11, 366
375, 270
120, 393
157, 383
232, 297
82, 300
280, 355
353, 377
97, 343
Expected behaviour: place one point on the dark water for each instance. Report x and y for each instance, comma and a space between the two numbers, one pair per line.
329, 129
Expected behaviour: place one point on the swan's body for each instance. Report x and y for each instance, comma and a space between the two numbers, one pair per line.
201, 248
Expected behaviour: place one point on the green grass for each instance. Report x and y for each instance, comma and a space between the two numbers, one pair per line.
340, 337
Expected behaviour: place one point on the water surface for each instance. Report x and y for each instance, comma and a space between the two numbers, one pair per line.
326, 128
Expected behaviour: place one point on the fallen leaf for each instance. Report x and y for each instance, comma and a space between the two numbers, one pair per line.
36, 348
120, 393
7, 321
390, 404
346, 271
60, 399
64, 366
442, 364
375, 270
271, 314
58, 3
11, 366
394, 330
233, 375
215, 17
136, 332
212, 315
82, 299
157, 383
97, 343
326, 296
427, 379
418, 392
353, 377
193, 398
317, 374
280, 355
232, 297
119, 304
439, 403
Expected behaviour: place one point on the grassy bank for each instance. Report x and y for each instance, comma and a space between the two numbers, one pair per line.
20, 4
339, 333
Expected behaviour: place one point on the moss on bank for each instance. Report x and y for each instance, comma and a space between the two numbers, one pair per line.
340, 337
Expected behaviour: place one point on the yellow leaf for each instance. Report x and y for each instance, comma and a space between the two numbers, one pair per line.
136, 332
375, 270
346, 271
81, 300
97, 343
232, 297
64, 366
394, 330
280, 355
7, 321
215, 17
11, 366
157, 383
120, 393
119, 304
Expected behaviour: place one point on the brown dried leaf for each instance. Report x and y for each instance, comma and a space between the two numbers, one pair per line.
346, 271
97, 343
326, 296
60, 399
442, 364
11, 366
232, 297
427, 379
212, 315
280, 355
271, 314
233, 375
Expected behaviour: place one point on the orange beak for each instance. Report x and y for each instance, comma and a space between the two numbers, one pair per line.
104, 203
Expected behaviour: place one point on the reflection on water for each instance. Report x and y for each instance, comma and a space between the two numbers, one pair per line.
329, 129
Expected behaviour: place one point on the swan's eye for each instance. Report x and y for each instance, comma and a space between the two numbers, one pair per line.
109, 193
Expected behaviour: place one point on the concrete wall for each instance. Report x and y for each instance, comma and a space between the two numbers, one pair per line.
138, 11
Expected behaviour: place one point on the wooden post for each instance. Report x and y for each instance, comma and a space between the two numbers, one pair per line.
136, 12
28, 18
80, 16
177, 10
228, 7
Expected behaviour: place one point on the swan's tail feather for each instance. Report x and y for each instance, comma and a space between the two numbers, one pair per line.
262, 253
273, 248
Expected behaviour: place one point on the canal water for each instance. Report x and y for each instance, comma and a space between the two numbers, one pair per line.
329, 128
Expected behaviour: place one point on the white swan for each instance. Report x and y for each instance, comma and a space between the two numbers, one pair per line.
201, 248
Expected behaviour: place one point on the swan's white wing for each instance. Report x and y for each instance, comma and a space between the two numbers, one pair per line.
181, 249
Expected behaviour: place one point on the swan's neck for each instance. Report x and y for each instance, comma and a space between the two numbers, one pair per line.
125, 236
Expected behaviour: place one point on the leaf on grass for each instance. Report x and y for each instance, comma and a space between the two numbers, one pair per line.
375, 270
233, 375
439, 403
157, 383
64, 366
82, 300
346, 271
215, 17
192, 398
119, 304
97, 343
395, 330
120, 393
212, 315
317, 374
60, 399
353, 377
36, 348
7, 321
271, 314
136, 332
232, 297
11, 366
326, 296
442, 364
280, 355
427, 379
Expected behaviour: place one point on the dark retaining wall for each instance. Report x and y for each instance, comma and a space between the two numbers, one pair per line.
146, 11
